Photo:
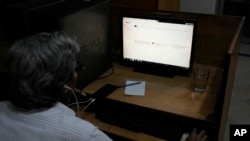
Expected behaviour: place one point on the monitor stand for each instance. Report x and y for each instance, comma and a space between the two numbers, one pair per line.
160, 71
155, 70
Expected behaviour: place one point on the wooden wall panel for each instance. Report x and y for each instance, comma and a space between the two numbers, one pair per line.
169, 5
135, 4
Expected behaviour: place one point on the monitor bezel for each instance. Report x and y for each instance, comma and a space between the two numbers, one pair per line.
171, 69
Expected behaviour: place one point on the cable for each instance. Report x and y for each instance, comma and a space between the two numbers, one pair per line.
77, 104
112, 72
82, 102
87, 106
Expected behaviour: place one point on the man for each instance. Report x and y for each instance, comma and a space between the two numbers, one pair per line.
42, 69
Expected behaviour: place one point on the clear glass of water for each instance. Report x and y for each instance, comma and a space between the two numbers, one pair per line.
200, 78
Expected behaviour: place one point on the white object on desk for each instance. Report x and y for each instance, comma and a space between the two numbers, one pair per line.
137, 90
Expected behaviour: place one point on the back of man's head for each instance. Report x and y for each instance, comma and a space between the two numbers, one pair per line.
39, 66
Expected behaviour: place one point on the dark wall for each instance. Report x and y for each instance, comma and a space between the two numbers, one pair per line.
89, 21
239, 8
92, 28
26, 17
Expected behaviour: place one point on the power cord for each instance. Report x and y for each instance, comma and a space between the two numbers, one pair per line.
77, 104
82, 102
85, 107
90, 100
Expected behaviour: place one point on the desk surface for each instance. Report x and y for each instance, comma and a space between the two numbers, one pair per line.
173, 95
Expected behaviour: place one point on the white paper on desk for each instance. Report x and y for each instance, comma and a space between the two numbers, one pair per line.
138, 89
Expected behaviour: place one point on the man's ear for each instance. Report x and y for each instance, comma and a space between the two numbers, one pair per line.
66, 87
72, 82
66, 94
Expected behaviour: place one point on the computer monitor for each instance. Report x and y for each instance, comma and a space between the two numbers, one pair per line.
158, 45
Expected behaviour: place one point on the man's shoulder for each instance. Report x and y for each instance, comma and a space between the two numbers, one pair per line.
61, 114
4, 104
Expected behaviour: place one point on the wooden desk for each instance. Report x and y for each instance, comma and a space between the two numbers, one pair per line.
217, 46
173, 95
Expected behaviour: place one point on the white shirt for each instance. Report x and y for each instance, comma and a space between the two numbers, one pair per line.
58, 123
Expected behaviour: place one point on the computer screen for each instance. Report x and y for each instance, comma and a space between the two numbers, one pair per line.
162, 42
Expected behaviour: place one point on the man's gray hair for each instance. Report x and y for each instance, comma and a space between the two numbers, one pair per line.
39, 66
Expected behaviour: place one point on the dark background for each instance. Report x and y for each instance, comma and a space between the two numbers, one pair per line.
239, 8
